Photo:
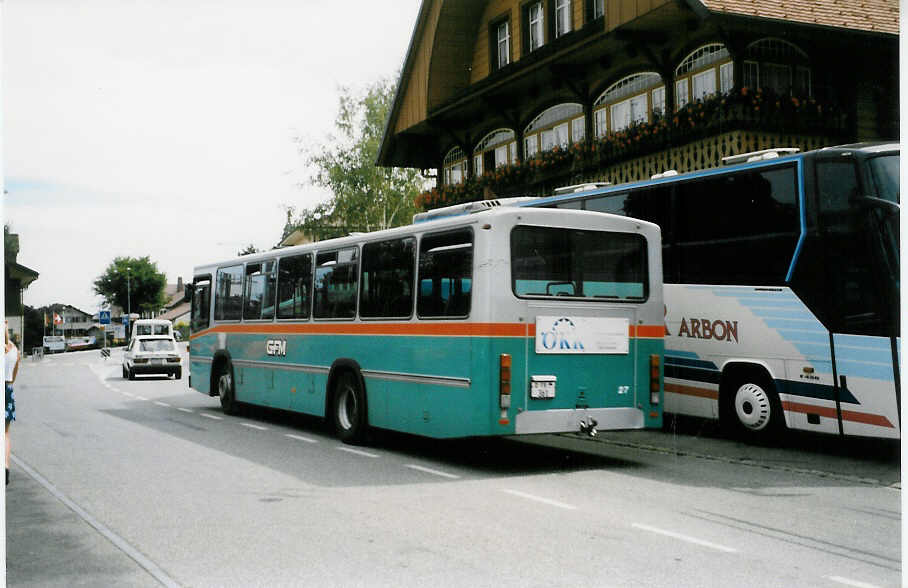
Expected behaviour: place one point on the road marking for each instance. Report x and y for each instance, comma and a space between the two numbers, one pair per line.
848, 582
141, 397
357, 452
149, 566
257, 427
185, 410
548, 501
159, 403
211, 416
299, 438
431, 471
686, 538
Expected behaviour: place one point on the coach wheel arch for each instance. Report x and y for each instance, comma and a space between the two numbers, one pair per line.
749, 403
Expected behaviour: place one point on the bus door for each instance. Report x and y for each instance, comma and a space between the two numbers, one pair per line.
860, 248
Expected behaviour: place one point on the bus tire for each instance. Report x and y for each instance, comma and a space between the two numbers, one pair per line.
349, 409
750, 406
226, 391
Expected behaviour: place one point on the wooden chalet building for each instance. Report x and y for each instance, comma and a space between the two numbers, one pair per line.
518, 97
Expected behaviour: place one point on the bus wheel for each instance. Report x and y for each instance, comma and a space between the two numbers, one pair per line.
226, 391
349, 409
752, 407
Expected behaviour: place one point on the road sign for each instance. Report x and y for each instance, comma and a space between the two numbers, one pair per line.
104, 317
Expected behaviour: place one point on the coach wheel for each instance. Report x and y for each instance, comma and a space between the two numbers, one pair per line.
753, 407
226, 391
349, 409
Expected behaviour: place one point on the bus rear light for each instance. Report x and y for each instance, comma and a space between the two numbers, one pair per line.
654, 374
504, 383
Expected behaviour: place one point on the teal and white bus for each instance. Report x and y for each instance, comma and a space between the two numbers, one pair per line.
503, 322
781, 287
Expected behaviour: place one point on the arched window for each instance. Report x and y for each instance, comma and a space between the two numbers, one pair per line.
777, 65
559, 125
702, 73
495, 149
629, 101
455, 166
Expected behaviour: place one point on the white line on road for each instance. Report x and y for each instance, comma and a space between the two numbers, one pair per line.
140, 397
686, 538
299, 438
854, 583
185, 410
159, 403
357, 452
149, 566
211, 416
431, 471
256, 427
128, 394
548, 501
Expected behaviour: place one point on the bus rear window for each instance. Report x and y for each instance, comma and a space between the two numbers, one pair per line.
884, 175
596, 265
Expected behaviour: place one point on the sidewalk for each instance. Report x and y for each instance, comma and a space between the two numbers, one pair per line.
48, 544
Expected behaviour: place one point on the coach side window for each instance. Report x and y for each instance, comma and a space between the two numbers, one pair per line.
445, 275
228, 296
387, 279
294, 285
335, 284
201, 304
259, 300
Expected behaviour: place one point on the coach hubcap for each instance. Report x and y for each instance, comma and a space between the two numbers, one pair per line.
224, 385
752, 407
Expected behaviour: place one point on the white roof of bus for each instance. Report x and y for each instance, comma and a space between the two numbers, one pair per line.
431, 226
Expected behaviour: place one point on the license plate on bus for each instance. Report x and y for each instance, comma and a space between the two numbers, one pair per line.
157, 362
542, 386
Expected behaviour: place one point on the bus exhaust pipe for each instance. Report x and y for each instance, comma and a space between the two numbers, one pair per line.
588, 426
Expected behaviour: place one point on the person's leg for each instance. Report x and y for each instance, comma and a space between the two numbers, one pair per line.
6, 435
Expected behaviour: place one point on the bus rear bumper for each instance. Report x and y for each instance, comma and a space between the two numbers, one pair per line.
569, 420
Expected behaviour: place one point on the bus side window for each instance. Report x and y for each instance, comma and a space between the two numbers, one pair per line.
445, 275
259, 298
200, 307
387, 279
336, 279
293, 286
228, 298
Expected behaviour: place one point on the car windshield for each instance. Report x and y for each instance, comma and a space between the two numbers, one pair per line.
156, 345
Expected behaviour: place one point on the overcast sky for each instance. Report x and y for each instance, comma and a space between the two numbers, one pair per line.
166, 127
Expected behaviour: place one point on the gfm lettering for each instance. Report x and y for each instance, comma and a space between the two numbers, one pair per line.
707, 329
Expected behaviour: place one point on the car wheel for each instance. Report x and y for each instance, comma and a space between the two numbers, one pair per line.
131, 374
125, 375
178, 374
349, 409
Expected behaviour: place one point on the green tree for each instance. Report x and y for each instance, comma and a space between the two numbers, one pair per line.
365, 197
248, 250
132, 283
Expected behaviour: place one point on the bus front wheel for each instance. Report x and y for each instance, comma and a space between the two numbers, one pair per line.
752, 407
226, 391
349, 409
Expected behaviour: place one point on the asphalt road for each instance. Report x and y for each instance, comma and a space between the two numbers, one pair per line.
146, 483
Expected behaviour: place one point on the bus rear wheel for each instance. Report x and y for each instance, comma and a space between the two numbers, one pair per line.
226, 391
751, 407
349, 409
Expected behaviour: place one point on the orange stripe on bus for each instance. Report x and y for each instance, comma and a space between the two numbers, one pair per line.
847, 415
450, 329
692, 391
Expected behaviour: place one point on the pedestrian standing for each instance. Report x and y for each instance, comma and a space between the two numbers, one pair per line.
11, 365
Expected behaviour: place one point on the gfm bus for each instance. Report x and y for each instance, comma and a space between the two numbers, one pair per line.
781, 287
503, 322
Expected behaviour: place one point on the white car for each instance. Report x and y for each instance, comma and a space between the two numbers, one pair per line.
152, 355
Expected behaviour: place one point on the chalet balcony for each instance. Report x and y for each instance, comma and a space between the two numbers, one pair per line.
697, 136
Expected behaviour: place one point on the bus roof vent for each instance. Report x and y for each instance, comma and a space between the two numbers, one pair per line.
581, 187
467, 208
666, 174
759, 155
